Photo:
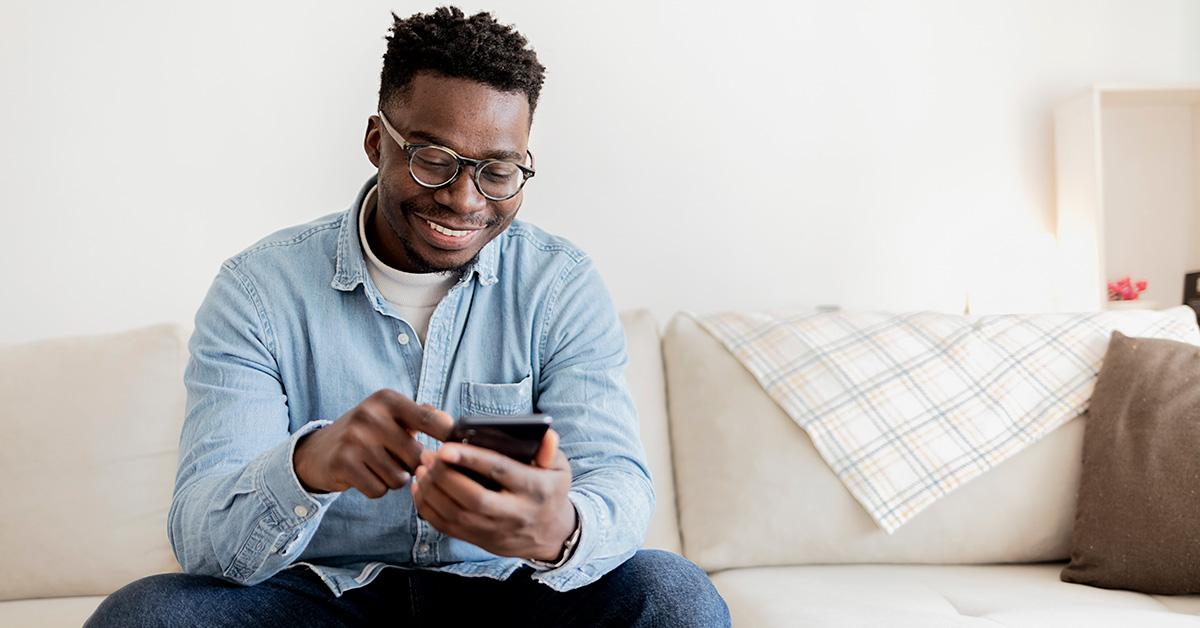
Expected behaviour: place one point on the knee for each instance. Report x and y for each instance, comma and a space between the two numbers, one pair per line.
673, 590
151, 601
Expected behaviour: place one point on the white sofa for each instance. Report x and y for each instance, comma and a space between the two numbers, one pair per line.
89, 446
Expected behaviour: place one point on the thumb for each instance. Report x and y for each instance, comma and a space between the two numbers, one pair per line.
545, 455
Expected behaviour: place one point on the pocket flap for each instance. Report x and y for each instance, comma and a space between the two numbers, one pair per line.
498, 399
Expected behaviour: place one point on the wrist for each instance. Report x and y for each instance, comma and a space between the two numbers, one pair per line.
567, 536
300, 466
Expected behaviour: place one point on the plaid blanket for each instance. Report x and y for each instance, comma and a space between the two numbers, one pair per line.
907, 407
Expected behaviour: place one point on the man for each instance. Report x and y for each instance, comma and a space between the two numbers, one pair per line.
423, 301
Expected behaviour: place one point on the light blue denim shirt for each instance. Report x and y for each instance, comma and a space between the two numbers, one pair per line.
292, 334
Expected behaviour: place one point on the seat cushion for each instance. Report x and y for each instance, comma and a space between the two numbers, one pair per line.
60, 612
925, 596
91, 430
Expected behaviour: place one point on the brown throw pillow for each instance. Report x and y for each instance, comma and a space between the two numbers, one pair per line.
1137, 523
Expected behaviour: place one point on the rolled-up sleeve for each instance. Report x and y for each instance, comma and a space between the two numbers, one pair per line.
238, 511
583, 387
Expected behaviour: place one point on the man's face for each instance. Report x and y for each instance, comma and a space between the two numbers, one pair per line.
471, 119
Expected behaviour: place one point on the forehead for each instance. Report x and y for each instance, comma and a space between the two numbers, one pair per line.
473, 118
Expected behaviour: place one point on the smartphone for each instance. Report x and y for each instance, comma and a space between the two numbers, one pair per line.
517, 437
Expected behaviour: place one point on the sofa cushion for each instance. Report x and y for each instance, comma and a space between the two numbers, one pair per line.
645, 378
91, 430
1137, 524
753, 491
930, 596
909, 406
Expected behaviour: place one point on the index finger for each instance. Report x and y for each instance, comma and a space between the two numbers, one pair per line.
413, 416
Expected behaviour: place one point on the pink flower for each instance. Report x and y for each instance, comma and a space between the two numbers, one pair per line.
1125, 289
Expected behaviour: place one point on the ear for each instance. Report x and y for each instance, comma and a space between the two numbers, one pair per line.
371, 142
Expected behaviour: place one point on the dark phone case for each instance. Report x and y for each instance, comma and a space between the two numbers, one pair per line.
517, 437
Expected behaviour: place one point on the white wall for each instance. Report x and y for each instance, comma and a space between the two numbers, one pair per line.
875, 154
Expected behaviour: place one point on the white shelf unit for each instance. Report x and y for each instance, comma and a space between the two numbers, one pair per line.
1127, 164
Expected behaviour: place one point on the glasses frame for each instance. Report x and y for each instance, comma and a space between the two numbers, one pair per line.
476, 165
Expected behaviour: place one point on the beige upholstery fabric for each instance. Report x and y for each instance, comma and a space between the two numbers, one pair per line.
60, 612
752, 490
645, 378
927, 596
90, 434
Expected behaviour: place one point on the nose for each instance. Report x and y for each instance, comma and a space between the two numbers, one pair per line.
462, 196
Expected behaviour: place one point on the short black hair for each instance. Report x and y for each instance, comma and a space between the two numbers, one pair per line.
449, 43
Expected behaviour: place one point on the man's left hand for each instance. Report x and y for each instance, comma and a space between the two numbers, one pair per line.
529, 517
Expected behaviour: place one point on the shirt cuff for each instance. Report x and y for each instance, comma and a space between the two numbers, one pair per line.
591, 537
293, 505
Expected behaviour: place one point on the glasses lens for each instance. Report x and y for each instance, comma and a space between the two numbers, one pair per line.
500, 179
432, 165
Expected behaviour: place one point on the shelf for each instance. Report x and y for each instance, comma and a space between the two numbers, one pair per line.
1127, 162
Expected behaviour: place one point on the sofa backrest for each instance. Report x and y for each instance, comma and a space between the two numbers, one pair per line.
645, 377
89, 437
752, 490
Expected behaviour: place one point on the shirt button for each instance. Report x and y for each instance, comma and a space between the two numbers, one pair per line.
402, 338
423, 548
300, 511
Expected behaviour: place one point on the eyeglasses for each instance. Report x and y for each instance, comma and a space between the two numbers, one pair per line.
434, 166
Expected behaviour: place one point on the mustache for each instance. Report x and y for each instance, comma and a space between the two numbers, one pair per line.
436, 212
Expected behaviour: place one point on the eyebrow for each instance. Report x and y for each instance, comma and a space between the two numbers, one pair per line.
425, 136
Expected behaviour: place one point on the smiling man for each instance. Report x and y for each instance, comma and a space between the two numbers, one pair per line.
328, 359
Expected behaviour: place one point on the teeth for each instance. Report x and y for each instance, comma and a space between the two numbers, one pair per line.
450, 232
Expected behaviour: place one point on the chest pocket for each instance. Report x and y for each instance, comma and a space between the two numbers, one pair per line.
498, 399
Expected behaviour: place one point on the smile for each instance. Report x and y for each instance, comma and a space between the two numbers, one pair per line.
445, 238
454, 233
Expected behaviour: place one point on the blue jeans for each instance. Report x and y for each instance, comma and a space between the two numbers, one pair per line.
654, 588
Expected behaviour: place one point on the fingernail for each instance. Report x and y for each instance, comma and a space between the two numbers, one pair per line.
450, 454
421, 472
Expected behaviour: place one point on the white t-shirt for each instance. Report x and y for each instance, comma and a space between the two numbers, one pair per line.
416, 295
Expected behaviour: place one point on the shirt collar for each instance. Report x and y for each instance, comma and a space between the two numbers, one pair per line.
350, 266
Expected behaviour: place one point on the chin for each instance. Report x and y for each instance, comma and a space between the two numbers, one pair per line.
435, 261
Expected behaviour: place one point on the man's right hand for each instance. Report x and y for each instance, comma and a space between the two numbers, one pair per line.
371, 448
